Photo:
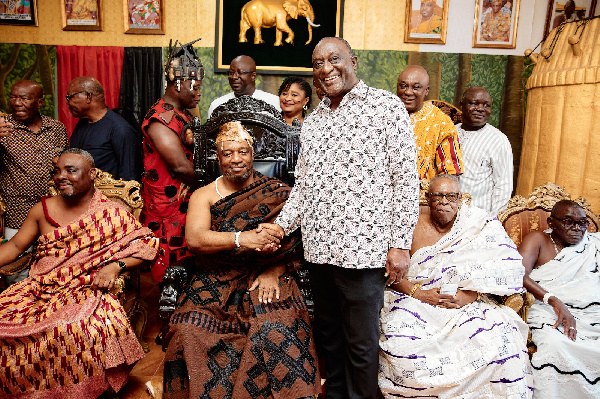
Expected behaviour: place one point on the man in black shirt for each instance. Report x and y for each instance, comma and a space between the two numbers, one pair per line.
108, 137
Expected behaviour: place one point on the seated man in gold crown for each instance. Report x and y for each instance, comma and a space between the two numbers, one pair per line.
241, 328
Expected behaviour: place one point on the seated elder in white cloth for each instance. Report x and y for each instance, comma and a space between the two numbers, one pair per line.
562, 273
464, 345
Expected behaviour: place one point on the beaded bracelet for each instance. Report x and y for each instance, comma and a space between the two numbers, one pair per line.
414, 289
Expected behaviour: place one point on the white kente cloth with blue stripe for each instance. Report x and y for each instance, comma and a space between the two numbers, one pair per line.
477, 351
563, 368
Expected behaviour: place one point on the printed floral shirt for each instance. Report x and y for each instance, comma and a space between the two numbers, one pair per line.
357, 188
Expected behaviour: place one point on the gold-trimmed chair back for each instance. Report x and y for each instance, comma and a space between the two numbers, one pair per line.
449, 109
523, 215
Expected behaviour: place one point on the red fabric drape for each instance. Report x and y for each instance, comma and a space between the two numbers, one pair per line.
103, 63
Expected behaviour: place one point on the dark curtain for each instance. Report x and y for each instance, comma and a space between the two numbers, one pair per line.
141, 80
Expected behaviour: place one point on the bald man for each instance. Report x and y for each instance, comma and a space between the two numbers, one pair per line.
487, 154
438, 147
107, 136
28, 143
242, 79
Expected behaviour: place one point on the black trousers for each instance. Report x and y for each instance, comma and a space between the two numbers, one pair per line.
346, 328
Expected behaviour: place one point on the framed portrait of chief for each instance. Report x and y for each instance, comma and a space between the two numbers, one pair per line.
495, 24
18, 12
144, 17
280, 35
81, 14
426, 21
560, 11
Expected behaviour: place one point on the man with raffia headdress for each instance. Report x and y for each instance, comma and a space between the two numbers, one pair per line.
62, 334
241, 328
168, 177
428, 19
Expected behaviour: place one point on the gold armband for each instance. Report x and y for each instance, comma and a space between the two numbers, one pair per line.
414, 289
479, 296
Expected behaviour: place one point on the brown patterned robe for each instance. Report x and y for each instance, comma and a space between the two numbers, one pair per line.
227, 342
60, 338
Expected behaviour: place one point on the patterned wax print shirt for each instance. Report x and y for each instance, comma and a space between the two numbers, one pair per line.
25, 165
357, 189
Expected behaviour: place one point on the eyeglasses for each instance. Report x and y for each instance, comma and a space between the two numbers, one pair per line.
232, 74
570, 223
70, 96
437, 197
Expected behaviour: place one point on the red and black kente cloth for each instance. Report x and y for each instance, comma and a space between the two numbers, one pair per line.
226, 341
165, 196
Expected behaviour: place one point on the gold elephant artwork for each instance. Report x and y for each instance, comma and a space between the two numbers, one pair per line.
258, 14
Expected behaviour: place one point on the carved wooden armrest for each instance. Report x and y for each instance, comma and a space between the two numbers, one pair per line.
175, 278
18, 265
514, 301
118, 288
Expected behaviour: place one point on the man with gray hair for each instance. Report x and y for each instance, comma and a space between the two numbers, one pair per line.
441, 336
108, 137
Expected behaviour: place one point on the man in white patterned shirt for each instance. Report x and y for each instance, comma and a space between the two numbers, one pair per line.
356, 201
486, 154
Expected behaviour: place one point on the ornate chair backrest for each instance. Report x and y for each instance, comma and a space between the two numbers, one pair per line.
523, 215
453, 112
276, 144
125, 192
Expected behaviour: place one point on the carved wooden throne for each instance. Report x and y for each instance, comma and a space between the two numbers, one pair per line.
276, 149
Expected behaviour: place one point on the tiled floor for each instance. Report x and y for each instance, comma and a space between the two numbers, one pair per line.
150, 368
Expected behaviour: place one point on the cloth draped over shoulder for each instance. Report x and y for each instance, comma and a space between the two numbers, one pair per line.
438, 146
476, 351
58, 336
229, 343
166, 196
561, 367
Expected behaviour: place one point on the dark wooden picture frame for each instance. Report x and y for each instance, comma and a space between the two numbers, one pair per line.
140, 17
585, 7
12, 15
284, 57
86, 19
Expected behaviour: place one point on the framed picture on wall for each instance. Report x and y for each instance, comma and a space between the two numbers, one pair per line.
18, 12
144, 17
282, 44
426, 21
560, 11
81, 14
495, 23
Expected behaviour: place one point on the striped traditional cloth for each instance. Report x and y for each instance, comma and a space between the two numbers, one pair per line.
488, 161
58, 336
438, 146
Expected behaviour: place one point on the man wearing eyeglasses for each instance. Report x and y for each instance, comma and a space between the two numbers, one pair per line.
107, 136
440, 334
561, 266
242, 79
29, 142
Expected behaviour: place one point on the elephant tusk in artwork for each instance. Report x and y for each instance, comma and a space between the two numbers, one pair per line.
311, 23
